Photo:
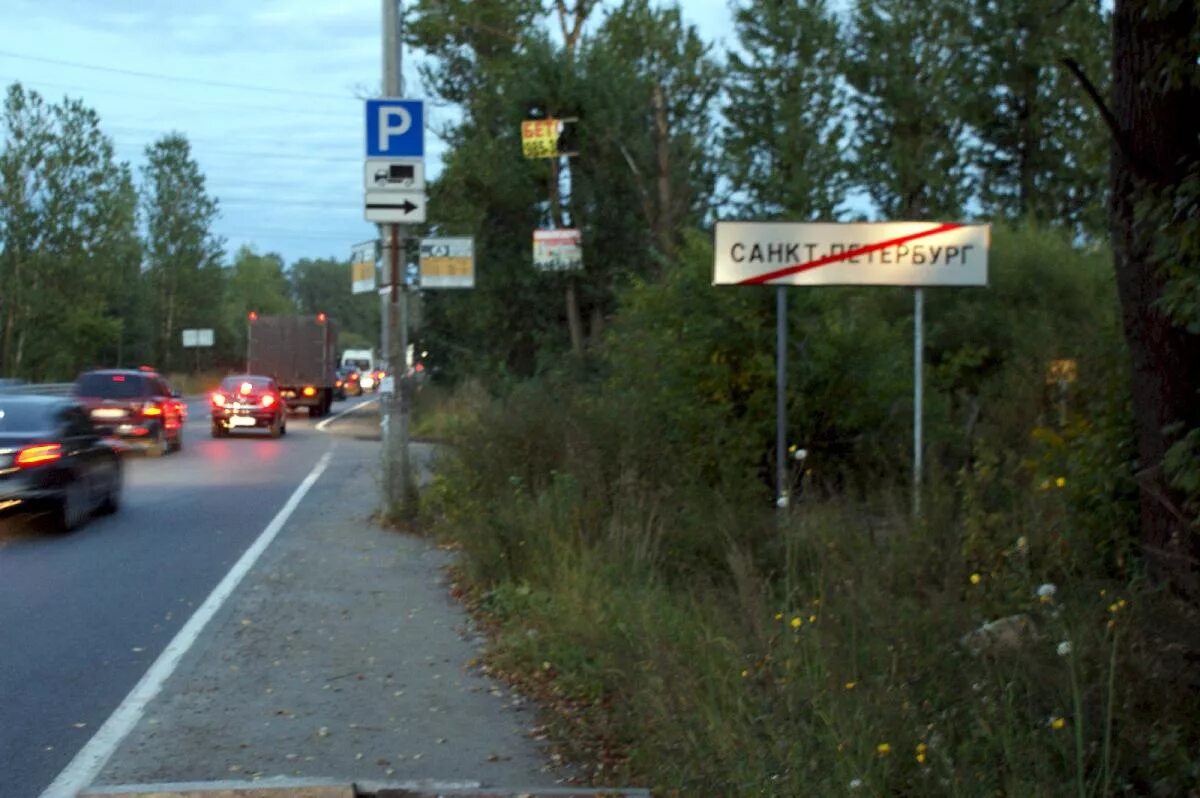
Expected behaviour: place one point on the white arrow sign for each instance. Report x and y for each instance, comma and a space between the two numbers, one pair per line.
396, 207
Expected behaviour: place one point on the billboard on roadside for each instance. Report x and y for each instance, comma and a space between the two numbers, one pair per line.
557, 250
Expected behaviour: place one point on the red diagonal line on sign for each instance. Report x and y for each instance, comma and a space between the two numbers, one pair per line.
842, 256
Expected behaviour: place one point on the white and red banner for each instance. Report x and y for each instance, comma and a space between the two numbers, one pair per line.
878, 253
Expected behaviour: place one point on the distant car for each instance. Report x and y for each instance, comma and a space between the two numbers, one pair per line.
53, 460
351, 383
339, 383
248, 401
135, 405
10, 383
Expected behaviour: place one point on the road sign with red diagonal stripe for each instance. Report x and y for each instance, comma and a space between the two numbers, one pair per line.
881, 253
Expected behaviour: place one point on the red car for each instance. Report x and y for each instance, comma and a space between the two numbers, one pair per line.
248, 401
136, 406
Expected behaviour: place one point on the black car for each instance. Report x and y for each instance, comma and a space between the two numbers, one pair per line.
53, 460
248, 401
135, 405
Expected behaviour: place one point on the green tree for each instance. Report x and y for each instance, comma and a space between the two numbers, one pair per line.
69, 239
906, 62
183, 256
323, 285
486, 55
785, 134
1041, 145
1154, 119
253, 282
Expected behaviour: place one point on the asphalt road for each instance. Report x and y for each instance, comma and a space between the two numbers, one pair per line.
82, 616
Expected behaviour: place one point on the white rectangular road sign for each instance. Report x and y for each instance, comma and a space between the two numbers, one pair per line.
394, 174
195, 338
396, 207
883, 253
557, 250
448, 262
362, 267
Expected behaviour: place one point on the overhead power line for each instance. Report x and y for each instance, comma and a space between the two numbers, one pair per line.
175, 78
186, 102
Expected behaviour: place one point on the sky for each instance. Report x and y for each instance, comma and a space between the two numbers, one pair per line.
268, 92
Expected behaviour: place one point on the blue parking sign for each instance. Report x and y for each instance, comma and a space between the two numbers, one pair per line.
395, 128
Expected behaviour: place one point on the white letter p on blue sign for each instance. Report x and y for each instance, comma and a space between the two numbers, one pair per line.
395, 128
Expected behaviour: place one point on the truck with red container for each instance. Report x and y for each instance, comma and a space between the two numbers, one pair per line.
299, 353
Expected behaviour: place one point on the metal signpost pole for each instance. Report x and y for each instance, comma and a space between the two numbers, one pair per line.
394, 344
918, 394
781, 488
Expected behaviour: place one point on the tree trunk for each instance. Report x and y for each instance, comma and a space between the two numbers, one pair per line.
1155, 138
662, 147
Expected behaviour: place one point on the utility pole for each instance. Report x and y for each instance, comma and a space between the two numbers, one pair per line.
394, 319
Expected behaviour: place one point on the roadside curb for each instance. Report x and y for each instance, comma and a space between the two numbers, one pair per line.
321, 788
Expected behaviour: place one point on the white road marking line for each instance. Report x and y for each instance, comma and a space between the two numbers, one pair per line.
92, 758
331, 419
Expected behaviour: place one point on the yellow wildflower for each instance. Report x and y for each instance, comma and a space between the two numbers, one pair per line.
851, 685
1061, 482
1058, 724
812, 619
1113, 607
922, 748
976, 579
920, 759
779, 616
745, 673
796, 622
884, 749
1121, 604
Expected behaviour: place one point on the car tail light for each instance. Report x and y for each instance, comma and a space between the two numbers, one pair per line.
151, 411
268, 400
353, 376
38, 454
337, 384
218, 399
309, 390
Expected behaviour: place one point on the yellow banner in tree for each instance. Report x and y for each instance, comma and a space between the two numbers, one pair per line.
539, 138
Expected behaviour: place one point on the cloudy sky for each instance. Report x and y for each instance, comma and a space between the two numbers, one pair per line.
265, 90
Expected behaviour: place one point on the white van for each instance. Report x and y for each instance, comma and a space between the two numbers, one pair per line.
361, 359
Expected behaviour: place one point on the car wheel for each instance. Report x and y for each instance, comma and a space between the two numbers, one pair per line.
218, 431
112, 497
176, 443
161, 444
276, 426
71, 509
283, 425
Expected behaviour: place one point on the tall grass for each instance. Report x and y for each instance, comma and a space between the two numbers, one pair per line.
692, 639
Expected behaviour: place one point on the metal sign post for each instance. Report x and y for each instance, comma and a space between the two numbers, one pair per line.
394, 176
915, 254
918, 395
782, 498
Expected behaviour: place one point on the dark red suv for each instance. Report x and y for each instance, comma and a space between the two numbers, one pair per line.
135, 405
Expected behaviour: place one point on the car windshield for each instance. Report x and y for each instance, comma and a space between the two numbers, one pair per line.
109, 386
24, 416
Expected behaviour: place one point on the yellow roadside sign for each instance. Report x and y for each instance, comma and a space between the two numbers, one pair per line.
447, 262
362, 267
539, 138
